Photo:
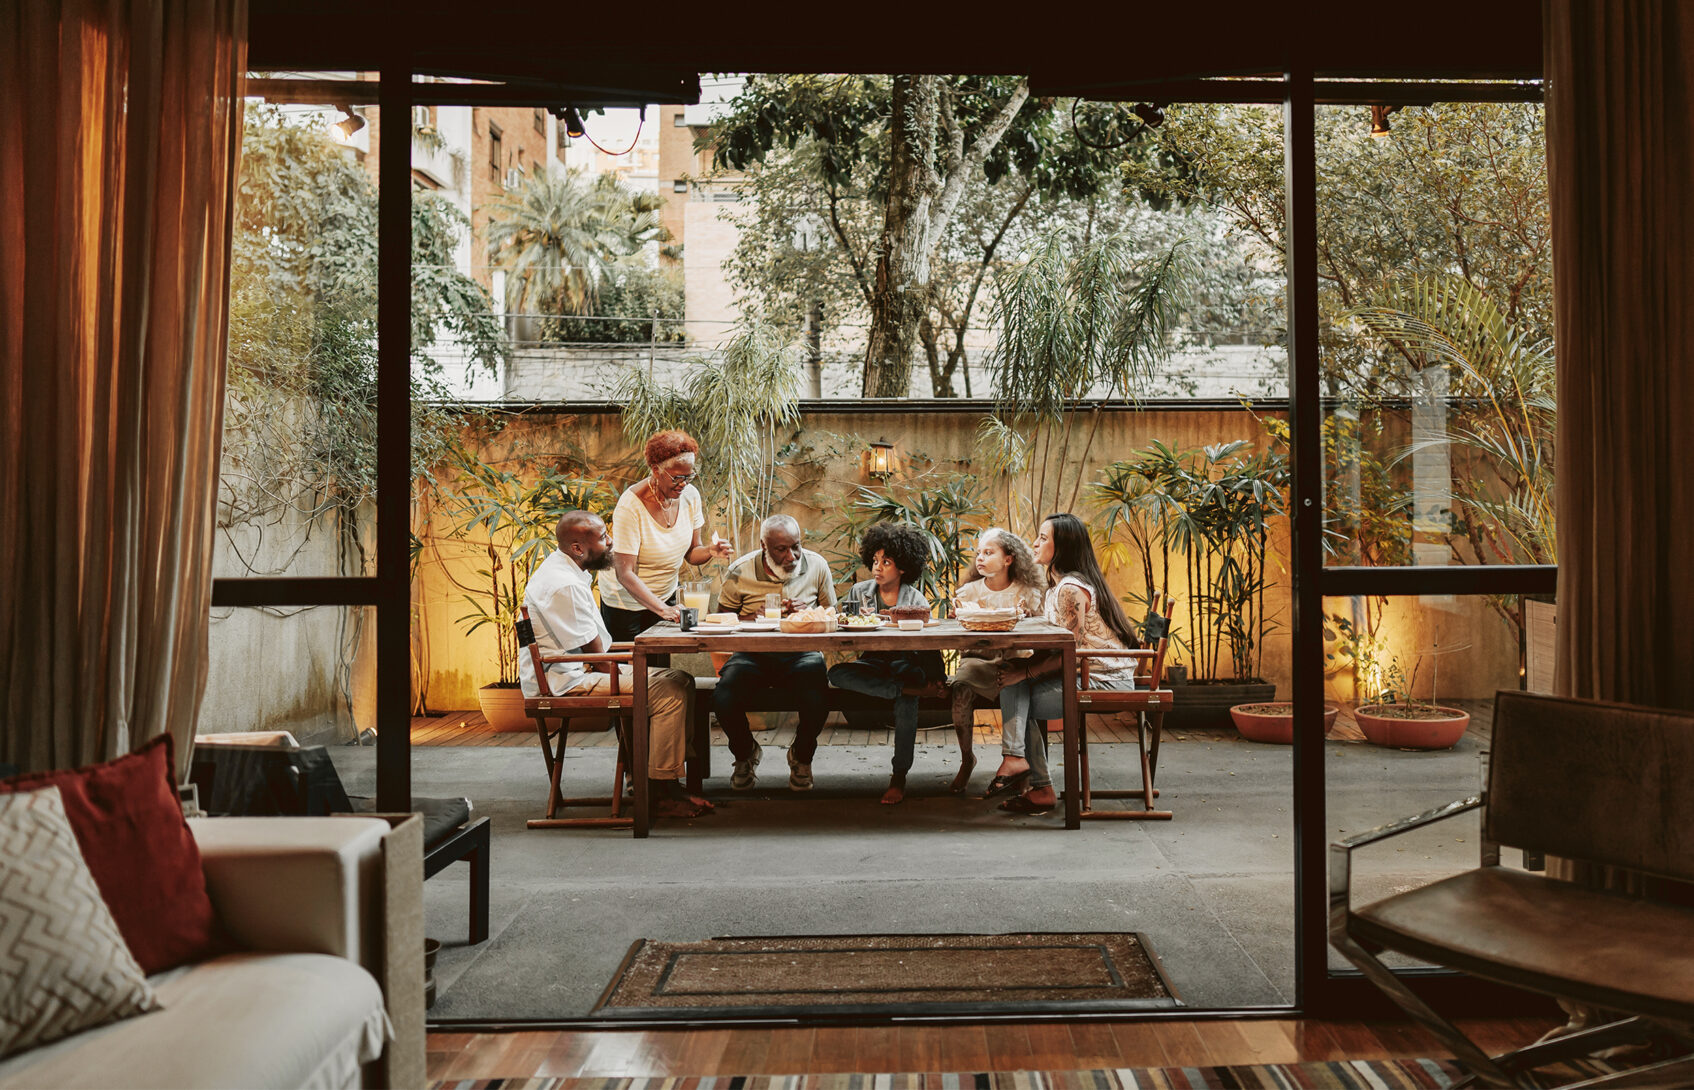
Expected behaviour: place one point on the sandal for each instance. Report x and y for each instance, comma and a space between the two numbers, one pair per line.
999, 785
1020, 804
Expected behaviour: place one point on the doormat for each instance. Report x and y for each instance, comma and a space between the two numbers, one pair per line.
1336, 1075
879, 974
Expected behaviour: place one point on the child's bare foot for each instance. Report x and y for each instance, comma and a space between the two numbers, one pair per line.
967, 765
896, 792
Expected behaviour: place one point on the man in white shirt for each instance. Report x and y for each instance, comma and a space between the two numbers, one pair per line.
566, 621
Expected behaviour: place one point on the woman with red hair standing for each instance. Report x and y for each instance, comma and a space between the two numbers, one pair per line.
655, 530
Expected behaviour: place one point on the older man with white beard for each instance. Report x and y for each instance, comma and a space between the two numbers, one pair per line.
801, 577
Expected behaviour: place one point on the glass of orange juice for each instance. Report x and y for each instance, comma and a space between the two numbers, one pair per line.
773, 607
697, 596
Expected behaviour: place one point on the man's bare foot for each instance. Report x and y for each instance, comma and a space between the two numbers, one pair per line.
671, 792
896, 792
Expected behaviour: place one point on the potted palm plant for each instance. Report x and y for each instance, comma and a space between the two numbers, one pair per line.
1210, 509
511, 520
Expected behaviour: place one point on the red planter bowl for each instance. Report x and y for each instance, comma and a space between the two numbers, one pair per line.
1440, 733
1274, 728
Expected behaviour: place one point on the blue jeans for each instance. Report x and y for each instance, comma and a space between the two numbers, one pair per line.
1032, 703
878, 679
800, 675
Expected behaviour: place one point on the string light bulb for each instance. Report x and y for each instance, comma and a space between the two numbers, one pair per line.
1379, 125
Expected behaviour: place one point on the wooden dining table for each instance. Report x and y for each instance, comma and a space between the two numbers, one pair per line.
1031, 634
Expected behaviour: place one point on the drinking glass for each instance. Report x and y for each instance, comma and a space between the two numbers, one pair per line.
773, 607
697, 596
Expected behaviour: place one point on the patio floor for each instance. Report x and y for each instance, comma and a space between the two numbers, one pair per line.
1212, 890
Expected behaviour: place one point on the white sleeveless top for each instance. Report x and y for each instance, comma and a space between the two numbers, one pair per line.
1092, 633
658, 549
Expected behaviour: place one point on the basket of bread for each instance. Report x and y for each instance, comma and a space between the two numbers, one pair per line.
816, 619
978, 619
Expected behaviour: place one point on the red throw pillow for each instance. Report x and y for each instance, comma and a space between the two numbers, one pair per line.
130, 827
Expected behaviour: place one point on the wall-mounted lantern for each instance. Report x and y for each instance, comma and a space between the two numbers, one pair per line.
882, 460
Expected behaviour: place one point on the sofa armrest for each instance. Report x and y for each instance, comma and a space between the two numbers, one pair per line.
293, 884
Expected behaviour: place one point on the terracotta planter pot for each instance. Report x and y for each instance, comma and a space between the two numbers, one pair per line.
1440, 733
1274, 727
503, 708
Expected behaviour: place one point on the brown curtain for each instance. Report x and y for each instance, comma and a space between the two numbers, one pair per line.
120, 124
1620, 163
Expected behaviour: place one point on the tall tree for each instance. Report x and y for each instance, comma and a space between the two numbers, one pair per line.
562, 233
915, 148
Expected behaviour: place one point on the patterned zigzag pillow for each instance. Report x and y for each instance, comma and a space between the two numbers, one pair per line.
63, 965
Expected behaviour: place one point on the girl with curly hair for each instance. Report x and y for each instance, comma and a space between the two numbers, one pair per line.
896, 556
655, 531
1030, 692
1004, 575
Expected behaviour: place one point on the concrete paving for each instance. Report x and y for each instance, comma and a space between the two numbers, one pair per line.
1212, 890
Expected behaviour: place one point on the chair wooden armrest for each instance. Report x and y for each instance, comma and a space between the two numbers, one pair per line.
590, 656
1083, 655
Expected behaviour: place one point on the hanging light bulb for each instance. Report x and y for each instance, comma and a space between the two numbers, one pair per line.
1379, 119
350, 124
573, 124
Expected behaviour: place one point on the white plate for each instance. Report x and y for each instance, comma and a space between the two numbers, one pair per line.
717, 629
864, 627
759, 626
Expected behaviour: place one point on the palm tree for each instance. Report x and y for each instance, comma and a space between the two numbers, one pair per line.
561, 234
1072, 321
1505, 381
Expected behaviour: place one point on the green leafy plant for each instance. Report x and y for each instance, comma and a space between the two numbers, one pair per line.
1073, 320
512, 519
948, 513
1213, 508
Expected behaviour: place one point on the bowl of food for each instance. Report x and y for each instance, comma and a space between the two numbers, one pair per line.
909, 613
816, 619
861, 622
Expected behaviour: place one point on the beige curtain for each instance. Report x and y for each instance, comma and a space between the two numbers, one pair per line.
1620, 161
120, 124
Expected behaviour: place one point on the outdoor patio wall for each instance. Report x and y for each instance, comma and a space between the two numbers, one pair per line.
310, 671
452, 665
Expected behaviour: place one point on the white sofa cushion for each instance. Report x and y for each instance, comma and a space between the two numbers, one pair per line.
239, 1022
64, 967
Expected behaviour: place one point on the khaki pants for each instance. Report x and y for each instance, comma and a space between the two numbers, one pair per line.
669, 694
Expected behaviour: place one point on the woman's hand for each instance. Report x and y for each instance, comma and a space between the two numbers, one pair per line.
669, 613
721, 548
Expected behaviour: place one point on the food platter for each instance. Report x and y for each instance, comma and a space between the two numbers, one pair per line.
716, 629
852, 622
759, 626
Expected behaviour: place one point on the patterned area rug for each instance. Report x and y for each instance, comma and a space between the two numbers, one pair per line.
1340, 1075
847, 974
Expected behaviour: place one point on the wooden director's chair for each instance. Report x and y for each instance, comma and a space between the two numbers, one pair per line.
1148, 701
547, 708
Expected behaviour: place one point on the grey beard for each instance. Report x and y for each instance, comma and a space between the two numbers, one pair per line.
783, 574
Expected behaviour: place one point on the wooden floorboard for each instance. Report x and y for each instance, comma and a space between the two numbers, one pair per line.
993, 1047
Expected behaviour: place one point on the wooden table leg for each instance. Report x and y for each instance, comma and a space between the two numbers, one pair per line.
1073, 760
639, 729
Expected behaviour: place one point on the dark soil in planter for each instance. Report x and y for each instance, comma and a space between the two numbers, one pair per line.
1205, 704
1400, 711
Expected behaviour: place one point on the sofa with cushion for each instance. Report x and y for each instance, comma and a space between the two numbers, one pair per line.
141, 949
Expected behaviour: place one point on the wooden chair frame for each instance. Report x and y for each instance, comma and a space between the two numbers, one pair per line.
548, 707
1149, 703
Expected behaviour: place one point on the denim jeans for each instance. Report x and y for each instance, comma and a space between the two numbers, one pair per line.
801, 675
880, 679
1032, 703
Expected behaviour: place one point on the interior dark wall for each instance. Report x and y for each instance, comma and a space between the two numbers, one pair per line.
615, 45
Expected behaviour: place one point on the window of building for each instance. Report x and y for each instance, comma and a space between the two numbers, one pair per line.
540, 122
679, 119
494, 151
680, 186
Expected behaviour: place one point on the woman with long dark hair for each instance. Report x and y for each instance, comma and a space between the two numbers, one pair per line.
1079, 599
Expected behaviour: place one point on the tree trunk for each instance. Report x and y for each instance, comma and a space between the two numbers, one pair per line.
901, 292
